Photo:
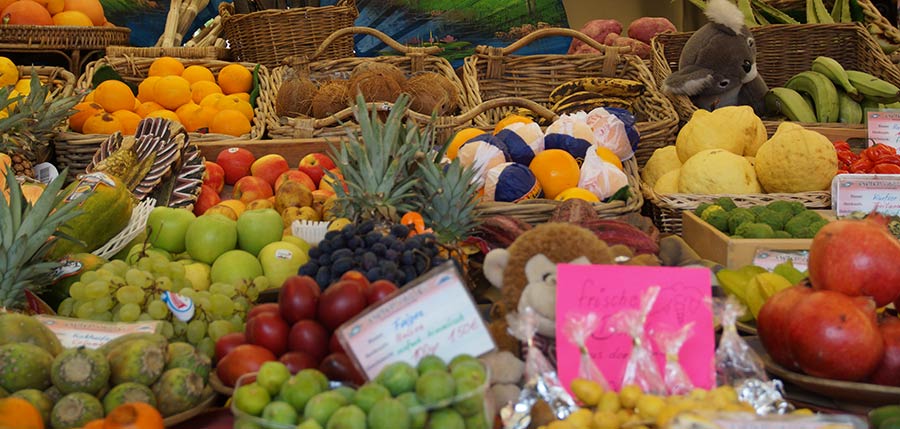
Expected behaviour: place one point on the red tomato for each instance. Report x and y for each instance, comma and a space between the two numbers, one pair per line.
338, 367
359, 278
268, 330
379, 290
298, 298
334, 344
310, 337
339, 303
297, 361
269, 307
243, 359
228, 342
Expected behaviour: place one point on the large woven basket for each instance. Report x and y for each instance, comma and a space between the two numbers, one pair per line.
269, 36
75, 150
495, 72
413, 60
782, 52
870, 13
63, 37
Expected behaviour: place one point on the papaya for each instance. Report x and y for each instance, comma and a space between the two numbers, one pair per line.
105, 210
19, 328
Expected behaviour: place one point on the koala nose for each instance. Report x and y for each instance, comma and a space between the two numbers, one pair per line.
747, 66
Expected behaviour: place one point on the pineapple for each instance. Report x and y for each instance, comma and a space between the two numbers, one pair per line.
448, 195
26, 234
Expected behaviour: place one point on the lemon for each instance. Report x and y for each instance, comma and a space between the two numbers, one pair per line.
609, 401
588, 392
9, 73
649, 406
581, 418
629, 395
338, 224
605, 420
579, 193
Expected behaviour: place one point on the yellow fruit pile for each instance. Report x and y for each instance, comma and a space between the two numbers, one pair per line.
193, 96
9, 76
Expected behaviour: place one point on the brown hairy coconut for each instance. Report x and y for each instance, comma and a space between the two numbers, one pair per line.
331, 98
432, 92
295, 97
382, 68
375, 86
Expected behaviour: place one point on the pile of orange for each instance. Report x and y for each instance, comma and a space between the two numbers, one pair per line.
79, 13
193, 96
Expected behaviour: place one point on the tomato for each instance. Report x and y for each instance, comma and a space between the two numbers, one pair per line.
297, 361
310, 337
338, 367
228, 342
357, 277
243, 359
339, 303
334, 344
379, 290
298, 298
268, 330
886, 169
269, 307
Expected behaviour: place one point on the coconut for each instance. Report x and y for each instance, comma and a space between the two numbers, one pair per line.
295, 98
432, 92
375, 86
331, 98
382, 68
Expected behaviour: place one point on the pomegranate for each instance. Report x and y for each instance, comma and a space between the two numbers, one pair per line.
888, 372
858, 258
832, 336
772, 322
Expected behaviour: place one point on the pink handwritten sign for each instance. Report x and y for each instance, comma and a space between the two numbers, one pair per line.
606, 289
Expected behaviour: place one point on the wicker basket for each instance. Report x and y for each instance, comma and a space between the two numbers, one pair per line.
269, 36
63, 37
413, 60
782, 52
75, 150
192, 52
870, 12
495, 72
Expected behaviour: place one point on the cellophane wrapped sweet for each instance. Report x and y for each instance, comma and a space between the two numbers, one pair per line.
578, 329
671, 342
735, 359
641, 368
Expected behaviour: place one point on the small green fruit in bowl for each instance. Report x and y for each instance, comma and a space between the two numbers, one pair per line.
347, 417
430, 363
389, 414
272, 375
299, 389
280, 412
369, 394
322, 406
251, 398
399, 378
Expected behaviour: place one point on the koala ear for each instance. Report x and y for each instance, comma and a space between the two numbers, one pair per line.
537, 267
690, 80
581, 260
494, 265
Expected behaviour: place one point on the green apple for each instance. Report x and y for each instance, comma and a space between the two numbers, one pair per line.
235, 265
167, 226
281, 260
198, 274
210, 236
297, 241
140, 250
257, 228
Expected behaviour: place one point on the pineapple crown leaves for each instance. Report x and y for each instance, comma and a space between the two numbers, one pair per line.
34, 113
448, 197
26, 234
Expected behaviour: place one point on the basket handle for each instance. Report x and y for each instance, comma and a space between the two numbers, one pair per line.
565, 32
403, 49
492, 104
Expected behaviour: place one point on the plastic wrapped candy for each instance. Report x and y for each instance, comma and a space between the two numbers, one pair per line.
578, 329
483, 153
641, 368
572, 134
524, 141
634, 136
677, 381
735, 359
609, 132
600, 177
511, 182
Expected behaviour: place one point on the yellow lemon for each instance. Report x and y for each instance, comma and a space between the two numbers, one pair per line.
9, 73
579, 193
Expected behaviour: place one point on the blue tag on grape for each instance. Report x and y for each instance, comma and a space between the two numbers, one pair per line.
181, 306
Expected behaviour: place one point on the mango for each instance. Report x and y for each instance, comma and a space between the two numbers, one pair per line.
75, 410
80, 370
24, 366
125, 393
177, 390
19, 328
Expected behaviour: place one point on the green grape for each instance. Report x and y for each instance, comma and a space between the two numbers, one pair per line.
88, 276
96, 289
145, 264
241, 287
129, 312
221, 306
167, 330
180, 327
215, 288
241, 304
207, 346
204, 294
237, 323
196, 330
137, 277
178, 284
261, 283
252, 293
217, 328
176, 271
117, 281
130, 295
105, 316
76, 290
66, 307
164, 283
144, 317
105, 275
104, 303
84, 310
228, 290
117, 266
202, 302
158, 310
160, 266
188, 292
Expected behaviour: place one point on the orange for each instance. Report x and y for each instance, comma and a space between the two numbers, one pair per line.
4, 3
461, 137
510, 119
172, 91
197, 118
84, 111
230, 102
579, 193
95, 424
163, 113
198, 73
26, 12
19, 413
235, 78
57, 6
102, 123
134, 415
137, 103
89, 96
556, 170
166, 66
72, 18
200, 89
129, 121
610, 157
92, 8
237, 205
230, 122
114, 95
184, 107
211, 99
145, 88
147, 107
242, 96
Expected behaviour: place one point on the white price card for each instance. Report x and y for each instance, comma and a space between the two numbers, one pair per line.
883, 126
434, 315
865, 193
90, 333
769, 259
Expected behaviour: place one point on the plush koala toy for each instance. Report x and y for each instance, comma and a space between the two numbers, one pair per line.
717, 67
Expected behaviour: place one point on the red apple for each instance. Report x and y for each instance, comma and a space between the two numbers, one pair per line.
858, 258
269, 307
236, 162
888, 371
296, 176
214, 175
310, 337
208, 197
772, 321
314, 165
340, 303
359, 278
269, 167
832, 336
379, 291
334, 344
270, 331
228, 342
297, 361
251, 188
298, 298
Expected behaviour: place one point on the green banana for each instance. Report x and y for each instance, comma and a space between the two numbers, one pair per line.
870, 104
850, 111
841, 11
821, 89
834, 71
874, 88
790, 103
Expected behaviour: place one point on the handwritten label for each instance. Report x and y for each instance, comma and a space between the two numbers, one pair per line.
768, 259
865, 193
433, 315
607, 289
883, 126
92, 334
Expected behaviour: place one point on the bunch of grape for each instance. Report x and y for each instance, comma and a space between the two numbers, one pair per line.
120, 292
391, 255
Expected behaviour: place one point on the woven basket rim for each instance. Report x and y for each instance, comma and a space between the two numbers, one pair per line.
63, 37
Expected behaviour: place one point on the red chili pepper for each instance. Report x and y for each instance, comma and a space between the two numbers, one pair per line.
886, 169
847, 158
843, 172
879, 150
887, 159
841, 145
863, 165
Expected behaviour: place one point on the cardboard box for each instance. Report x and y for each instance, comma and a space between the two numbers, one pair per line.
714, 245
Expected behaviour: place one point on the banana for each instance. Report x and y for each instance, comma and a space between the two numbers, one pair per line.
869, 103
593, 103
790, 103
577, 96
850, 111
835, 71
872, 87
607, 86
821, 89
